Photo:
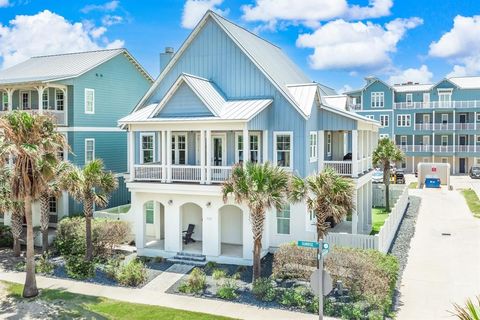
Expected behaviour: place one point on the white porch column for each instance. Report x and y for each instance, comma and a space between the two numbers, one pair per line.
208, 155
355, 212
475, 120
454, 120
168, 155
354, 153
156, 220
173, 227
370, 204
131, 154
453, 144
247, 234
265, 146
10, 98
163, 154
369, 146
321, 149
40, 90
433, 120
453, 164
366, 206
137, 207
246, 146
475, 142
433, 145
202, 156
413, 164
211, 235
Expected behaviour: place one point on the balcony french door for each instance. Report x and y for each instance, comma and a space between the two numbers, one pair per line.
219, 157
179, 149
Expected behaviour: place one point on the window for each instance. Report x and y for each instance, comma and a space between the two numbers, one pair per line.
52, 205
426, 99
254, 147
403, 120
478, 139
384, 120
378, 99
25, 100
444, 118
404, 165
45, 99
283, 149
444, 98
89, 101
403, 140
4, 101
313, 146
179, 148
148, 147
384, 135
478, 117
59, 100
239, 148
369, 116
409, 99
329, 143
444, 160
89, 150
149, 213
283, 220
444, 140
478, 161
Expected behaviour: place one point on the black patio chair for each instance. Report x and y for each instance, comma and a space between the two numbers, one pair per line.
187, 234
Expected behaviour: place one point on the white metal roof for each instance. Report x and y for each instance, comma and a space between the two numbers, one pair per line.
338, 101
466, 82
304, 95
61, 66
412, 87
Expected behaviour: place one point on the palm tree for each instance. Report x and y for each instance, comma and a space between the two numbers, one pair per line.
58, 173
16, 208
384, 155
29, 139
327, 194
471, 310
91, 186
260, 187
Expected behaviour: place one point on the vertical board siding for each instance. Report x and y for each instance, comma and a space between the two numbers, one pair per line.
377, 86
184, 101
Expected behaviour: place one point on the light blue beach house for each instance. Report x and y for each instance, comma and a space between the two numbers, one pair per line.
86, 92
227, 96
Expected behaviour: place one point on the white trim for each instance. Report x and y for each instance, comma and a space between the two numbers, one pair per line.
47, 92
329, 143
93, 151
63, 100
313, 155
442, 116
20, 99
387, 118
281, 133
147, 134
441, 140
379, 98
223, 137
289, 219
407, 102
408, 122
174, 137
93, 101
401, 140
89, 129
368, 111
260, 145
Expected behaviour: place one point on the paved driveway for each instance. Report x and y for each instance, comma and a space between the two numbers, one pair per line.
441, 269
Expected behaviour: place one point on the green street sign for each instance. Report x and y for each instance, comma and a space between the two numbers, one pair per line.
308, 244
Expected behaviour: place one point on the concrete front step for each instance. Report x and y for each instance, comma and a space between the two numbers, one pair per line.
194, 259
188, 262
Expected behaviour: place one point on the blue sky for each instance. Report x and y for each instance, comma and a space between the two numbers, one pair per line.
337, 42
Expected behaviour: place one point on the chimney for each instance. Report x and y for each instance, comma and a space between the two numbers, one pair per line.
165, 57
370, 79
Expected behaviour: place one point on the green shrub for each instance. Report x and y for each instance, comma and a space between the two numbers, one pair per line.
19, 266
293, 262
6, 237
44, 265
354, 311
210, 266
312, 306
227, 290
375, 315
195, 283
78, 268
264, 289
132, 274
241, 269
237, 276
218, 274
295, 297
111, 267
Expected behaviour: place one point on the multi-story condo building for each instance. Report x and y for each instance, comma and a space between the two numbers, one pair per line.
87, 93
227, 96
430, 122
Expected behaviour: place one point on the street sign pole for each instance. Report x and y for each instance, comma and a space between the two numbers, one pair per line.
320, 279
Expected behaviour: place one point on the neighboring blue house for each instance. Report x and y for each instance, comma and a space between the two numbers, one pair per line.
225, 96
87, 92
430, 122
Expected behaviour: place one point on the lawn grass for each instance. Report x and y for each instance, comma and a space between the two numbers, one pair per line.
379, 215
413, 185
90, 307
472, 201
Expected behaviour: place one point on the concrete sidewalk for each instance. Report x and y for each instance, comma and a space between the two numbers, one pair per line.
158, 298
441, 269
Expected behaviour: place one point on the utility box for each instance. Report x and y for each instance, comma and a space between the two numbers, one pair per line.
433, 175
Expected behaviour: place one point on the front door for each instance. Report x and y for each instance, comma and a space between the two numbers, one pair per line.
462, 165
219, 151
426, 142
179, 149
426, 118
463, 118
462, 140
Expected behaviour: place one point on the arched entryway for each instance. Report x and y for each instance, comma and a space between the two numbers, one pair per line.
192, 227
231, 231
154, 222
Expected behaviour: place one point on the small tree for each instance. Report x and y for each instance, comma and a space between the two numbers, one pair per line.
383, 156
260, 187
91, 185
327, 194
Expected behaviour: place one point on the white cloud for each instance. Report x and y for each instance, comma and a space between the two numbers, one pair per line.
107, 6
344, 89
193, 11
311, 12
355, 45
24, 37
4, 3
420, 75
110, 20
460, 45
97, 32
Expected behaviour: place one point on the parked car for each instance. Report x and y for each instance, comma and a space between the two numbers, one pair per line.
377, 176
475, 172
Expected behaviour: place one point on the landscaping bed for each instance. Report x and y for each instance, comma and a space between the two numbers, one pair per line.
472, 201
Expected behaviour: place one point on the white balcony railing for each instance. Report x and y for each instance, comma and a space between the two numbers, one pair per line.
179, 173
355, 107
148, 172
220, 174
59, 116
343, 168
469, 148
423, 126
184, 173
443, 148
437, 104
443, 126
465, 126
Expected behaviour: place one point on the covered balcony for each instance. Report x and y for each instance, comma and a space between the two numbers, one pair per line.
49, 99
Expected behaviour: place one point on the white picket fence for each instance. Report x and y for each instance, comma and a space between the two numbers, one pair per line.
380, 241
378, 194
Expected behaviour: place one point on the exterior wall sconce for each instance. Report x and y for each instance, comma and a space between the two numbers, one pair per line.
209, 204
170, 202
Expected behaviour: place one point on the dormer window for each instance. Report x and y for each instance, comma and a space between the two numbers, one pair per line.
378, 99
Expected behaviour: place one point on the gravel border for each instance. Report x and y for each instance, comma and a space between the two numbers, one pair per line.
401, 243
